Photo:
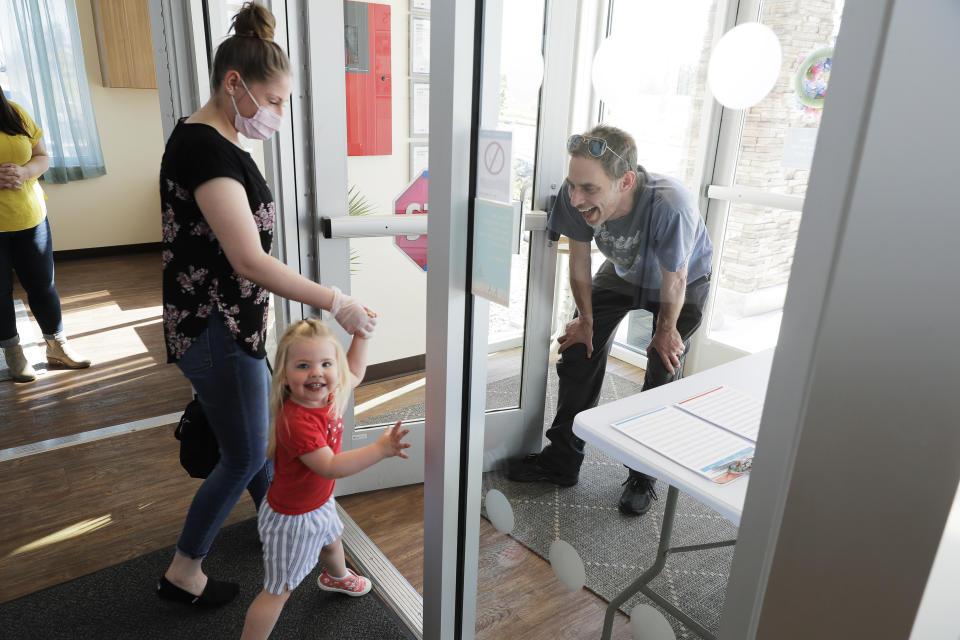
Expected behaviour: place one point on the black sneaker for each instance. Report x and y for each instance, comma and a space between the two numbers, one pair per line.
529, 469
638, 494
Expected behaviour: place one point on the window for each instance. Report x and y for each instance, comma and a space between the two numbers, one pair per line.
43, 72
658, 73
775, 141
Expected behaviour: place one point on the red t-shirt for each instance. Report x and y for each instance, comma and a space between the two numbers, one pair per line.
295, 488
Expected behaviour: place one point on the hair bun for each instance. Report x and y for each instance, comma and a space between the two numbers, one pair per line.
254, 21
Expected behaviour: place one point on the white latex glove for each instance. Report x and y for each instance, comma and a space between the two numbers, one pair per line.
352, 316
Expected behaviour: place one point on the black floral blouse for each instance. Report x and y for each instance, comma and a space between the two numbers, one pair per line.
197, 277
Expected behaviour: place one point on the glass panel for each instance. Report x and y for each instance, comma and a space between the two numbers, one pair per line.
532, 528
663, 111
776, 148
776, 142
757, 256
387, 88
635, 331
520, 70
669, 67
388, 83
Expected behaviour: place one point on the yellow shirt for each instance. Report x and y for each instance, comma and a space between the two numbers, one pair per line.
23, 209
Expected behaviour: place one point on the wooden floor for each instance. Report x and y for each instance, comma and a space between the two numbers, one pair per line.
75, 510
111, 309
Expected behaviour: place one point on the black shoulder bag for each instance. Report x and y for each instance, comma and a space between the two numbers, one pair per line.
199, 451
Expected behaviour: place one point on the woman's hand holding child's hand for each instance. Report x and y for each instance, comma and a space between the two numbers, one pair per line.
390, 442
355, 318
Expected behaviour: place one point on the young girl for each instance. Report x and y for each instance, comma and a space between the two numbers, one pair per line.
298, 522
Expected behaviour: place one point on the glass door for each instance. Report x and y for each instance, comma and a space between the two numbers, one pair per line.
379, 180
760, 179
550, 557
389, 271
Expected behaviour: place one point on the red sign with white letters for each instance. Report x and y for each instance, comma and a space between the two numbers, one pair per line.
413, 201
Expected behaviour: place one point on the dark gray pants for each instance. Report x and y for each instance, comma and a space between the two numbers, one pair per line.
582, 377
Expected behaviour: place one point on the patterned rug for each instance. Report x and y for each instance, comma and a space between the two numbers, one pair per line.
30, 339
615, 548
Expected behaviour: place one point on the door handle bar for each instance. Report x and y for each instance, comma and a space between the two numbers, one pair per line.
410, 225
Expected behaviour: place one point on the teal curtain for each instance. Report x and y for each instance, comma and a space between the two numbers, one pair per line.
46, 74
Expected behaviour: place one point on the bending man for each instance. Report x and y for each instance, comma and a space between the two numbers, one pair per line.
658, 258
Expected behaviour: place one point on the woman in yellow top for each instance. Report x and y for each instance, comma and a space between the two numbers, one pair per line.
25, 244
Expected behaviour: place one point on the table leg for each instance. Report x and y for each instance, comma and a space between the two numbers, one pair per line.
640, 584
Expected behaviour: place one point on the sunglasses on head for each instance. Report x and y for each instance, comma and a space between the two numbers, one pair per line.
595, 146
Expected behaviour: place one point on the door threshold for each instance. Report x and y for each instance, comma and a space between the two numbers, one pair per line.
395, 590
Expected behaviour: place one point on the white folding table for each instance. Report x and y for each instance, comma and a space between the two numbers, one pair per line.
749, 375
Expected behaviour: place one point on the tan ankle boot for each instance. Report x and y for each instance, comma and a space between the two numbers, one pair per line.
20, 369
62, 354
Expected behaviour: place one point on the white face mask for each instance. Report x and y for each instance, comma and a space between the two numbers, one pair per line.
262, 125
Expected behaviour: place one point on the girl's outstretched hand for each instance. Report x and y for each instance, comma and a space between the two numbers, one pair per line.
391, 441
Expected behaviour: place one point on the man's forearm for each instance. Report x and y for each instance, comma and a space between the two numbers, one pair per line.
581, 296
672, 294
581, 283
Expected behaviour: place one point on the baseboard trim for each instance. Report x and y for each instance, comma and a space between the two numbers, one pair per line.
100, 252
395, 368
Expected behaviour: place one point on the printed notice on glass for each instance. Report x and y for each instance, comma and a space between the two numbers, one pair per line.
727, 408
492, 244
688, 441
493, 165
798, 146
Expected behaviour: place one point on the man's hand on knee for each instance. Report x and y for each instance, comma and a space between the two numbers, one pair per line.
577, 331
669, 345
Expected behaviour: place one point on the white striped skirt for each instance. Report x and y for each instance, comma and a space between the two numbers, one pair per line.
292, 544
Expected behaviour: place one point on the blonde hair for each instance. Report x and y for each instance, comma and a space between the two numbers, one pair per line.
250, 51
279, 391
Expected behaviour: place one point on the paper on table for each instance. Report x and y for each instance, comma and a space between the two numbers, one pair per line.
687, 440
727, 408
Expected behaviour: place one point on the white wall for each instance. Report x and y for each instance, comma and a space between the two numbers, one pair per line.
123, 206
385, 279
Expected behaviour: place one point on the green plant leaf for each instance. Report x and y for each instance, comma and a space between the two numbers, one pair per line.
357, 203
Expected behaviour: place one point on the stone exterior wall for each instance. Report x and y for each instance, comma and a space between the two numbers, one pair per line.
759, 244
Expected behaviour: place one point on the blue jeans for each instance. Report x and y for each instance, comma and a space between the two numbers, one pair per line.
233, 389
30, 253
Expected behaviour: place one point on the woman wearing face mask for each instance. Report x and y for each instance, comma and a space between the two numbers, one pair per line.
218, 219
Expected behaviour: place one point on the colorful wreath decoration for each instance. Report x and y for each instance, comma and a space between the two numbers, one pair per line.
813, 76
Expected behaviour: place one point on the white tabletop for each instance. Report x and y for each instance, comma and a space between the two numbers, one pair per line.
748, 374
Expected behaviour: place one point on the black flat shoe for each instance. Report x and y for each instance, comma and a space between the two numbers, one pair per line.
216, 594
531, 469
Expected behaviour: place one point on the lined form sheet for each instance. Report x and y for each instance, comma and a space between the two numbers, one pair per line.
727, 408
687, 440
